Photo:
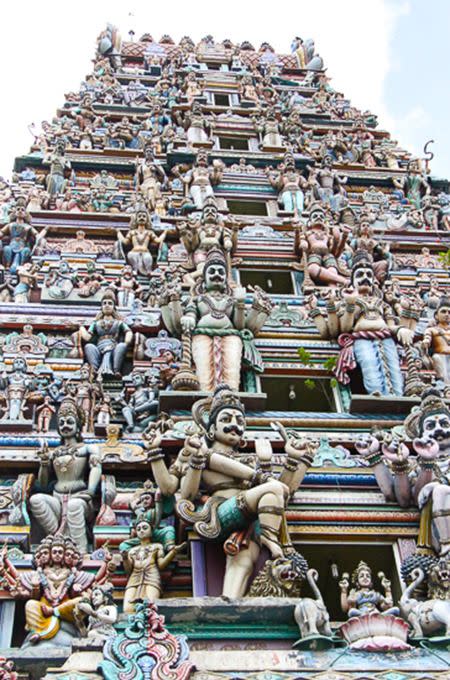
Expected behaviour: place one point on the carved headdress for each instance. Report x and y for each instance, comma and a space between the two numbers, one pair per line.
432, 403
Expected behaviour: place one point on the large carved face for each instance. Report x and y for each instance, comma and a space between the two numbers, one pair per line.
20, 364
97, 597
363, 279
68, 425
215, 277
437, 427
108, 306
57, 554
229, 427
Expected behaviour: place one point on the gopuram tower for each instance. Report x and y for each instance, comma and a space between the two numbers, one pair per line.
225, 347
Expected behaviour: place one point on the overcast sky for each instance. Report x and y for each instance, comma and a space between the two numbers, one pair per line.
389, 56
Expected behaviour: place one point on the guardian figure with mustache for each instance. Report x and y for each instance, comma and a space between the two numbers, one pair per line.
65, 506
367, 330
246, 499
423, 481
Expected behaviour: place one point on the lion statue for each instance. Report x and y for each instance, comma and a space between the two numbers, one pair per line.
281, 577
432, 616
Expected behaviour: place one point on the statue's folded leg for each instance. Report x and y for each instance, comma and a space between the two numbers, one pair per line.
47, 511
119, 356
93, 355
77, 511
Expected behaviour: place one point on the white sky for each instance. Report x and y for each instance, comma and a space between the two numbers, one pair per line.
47, 46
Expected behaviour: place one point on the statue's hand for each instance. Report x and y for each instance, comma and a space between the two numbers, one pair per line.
152, 438
239, 293
193, 446
301, 449
349, 295
44, 455
86, 608
311, 302
263, 449
428, 449
367, 444
344, 583
394, 450
405, 336
187, 323
179, 548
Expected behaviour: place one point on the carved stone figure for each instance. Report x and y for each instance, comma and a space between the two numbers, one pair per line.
311, 615
60, 281
362, 598
201, 236
21, 237
241, 487
52, 590
140, 237
107, 338
365, 328
150, 177
144, 563
327, 184
100, 611
55, 181
437, 339
68, 508
200, 179
143, 404
281, 577
321, 246
431, 616
17, 386
217, 320
290, 183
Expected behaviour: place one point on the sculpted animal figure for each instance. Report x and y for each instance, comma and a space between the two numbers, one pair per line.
428, 617
281, 577
310, 614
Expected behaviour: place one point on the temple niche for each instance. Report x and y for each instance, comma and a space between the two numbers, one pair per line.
225, 379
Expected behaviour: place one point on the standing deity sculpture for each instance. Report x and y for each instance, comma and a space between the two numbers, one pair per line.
327, 184
196, 125
140, 237
290, 183
107, 339
150, 177
222, 333
17, 386
365, 328
246, 500
66, 506
55, 181
415, 185
200, 179
436, 339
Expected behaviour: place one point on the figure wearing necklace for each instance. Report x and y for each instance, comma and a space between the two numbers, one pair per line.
107, 339
77, 468
362, 598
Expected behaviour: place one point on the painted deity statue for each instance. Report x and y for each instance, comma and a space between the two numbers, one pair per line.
200, 179
16, 385
139, 240
328, 185
426, 481
67, 505
363, 598
246, 500
107, 339
321, 245
55, 180
53, 589
150, 177
196, 125
201, 236
436, 339
100, 611
290, 183
415, 185
215, 317
142, 406
364, 327
21, 237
